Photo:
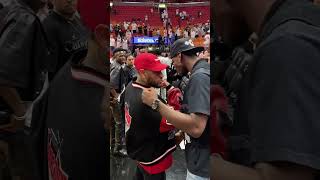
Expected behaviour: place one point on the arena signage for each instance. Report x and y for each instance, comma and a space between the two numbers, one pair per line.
145, 40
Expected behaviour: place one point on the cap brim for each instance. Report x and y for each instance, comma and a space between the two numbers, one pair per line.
172, 55
198, 49
158, 67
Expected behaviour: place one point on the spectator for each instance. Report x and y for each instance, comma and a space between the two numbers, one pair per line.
119, 40
162, 16
140, 27
134, 27
145, 30
74, 106
165, 23
146, 18
125, 43
178, 32
193, 34
65, 32
207, 40
43, 11
117, 83
24, 50
130, 70
185, 34
158, 32
112, 42
125, 25
128, 35
199, 14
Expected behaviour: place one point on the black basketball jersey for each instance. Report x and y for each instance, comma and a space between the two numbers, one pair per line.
149, 138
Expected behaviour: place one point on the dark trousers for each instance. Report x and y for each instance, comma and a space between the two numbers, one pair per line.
16, 162
141, 174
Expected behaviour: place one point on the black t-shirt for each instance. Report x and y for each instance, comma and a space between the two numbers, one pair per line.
66, 37
117, 76
145, 140
130, 74
23, 51
77, 143
280, 99
196, 99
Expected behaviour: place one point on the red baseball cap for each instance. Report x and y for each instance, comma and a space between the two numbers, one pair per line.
148, 61
93, 13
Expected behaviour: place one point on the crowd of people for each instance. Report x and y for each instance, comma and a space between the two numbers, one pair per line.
122, 33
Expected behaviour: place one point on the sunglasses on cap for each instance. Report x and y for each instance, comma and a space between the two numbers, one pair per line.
121, 53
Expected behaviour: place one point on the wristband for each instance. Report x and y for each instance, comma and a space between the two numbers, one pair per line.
168, 87
19, 118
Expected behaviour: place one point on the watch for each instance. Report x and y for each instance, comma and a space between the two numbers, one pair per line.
155, 104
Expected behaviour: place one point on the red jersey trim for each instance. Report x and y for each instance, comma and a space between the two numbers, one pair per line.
160, 167
138, 86
160, 157
165, 126
86, 76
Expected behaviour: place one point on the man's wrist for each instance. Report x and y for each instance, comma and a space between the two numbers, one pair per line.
155, 104
169, 87
20, 110
19, 118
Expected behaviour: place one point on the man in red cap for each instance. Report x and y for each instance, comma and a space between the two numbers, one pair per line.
77, 143
150, 140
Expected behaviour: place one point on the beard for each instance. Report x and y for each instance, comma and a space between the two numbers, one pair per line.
184, 71
181, 70
154, 84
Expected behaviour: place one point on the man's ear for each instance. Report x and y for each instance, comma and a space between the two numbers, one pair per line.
179, 57
101, 35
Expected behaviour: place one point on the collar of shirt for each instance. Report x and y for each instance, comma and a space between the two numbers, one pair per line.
270, 16
84, 73
62, 18
200, 64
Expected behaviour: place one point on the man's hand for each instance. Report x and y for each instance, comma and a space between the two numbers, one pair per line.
179, 136
164, 84
113, 101
149, 95
14, 125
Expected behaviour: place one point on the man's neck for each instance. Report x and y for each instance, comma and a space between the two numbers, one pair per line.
91, 61
140, 81
29, 5
118, 62
191, 64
